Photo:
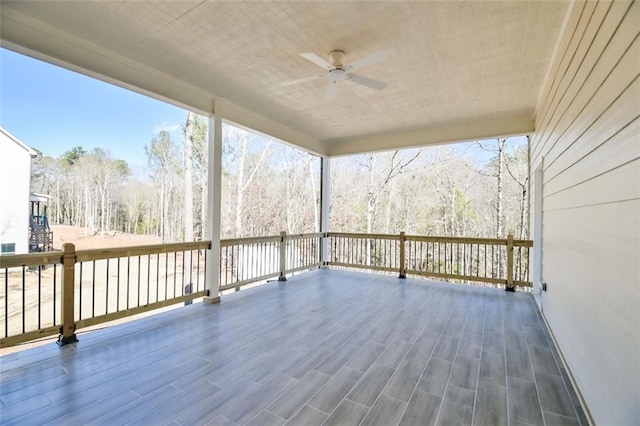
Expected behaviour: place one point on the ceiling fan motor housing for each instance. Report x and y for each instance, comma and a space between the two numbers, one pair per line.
336, 58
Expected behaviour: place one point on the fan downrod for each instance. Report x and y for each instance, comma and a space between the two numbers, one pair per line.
336, 57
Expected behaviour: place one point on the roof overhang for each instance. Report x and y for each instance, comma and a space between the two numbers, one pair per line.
32, 152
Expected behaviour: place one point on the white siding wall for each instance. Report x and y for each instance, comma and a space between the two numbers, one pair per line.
15, 175
588, 131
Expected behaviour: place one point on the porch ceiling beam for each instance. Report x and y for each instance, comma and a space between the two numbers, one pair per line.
459, 132
262, 124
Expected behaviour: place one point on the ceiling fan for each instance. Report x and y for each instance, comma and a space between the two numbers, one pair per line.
338, 71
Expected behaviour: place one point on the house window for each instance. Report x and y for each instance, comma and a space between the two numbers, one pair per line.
8, 248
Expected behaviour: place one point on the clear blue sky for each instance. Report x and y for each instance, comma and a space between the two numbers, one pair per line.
54, 109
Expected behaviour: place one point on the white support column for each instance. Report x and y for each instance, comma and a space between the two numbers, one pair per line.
214, 212
325, 204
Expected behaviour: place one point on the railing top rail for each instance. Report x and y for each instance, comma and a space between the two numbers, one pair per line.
364, 235
469, 240
300, 236
30, 259
249, 240
115, 252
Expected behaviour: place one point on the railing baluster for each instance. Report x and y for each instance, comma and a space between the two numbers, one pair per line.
166, 275
401, 241
24, 292
224, 255
175, 271
55, 292
182, 276
198, 274
39, 297
191, 270
204, 280
157, 277
128, 279
149, 275
139, 287
80, 292
118, 286
6, 302
283, 254
93, 289
106, 296
485, 261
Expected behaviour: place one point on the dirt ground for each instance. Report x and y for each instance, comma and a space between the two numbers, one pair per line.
83, 239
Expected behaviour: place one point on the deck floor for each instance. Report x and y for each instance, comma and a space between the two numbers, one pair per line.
326, 347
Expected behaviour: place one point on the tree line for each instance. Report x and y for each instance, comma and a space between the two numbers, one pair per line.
267, 187
471, 190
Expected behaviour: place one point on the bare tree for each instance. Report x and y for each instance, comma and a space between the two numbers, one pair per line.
188, 177
379, 176
244, 177
163, 159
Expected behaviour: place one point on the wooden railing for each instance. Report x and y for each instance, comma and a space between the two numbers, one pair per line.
502, 262
59, 292
246, 261
489, 260
379, 252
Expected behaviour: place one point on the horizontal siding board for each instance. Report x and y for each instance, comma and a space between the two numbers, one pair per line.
594, 129
588, 29
575, 32
615, 186
604, 86
571, 19
587, 79
620, 149
594, 71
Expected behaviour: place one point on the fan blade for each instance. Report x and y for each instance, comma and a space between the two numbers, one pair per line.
368, 60
366, 81
332, 91
317, 60
302, 80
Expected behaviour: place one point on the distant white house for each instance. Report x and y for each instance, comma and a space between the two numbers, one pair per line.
15, 180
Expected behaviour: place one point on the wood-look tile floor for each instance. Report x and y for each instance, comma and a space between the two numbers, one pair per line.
326, 347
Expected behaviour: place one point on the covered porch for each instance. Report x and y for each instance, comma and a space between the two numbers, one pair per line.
565, 73
324, 347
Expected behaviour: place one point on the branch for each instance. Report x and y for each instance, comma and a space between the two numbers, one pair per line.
255, 169
506, 163
397, 168
483, 148
478, 171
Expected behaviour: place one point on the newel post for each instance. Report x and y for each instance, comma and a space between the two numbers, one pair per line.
510, 286
68, 328
403, 269
283, 256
